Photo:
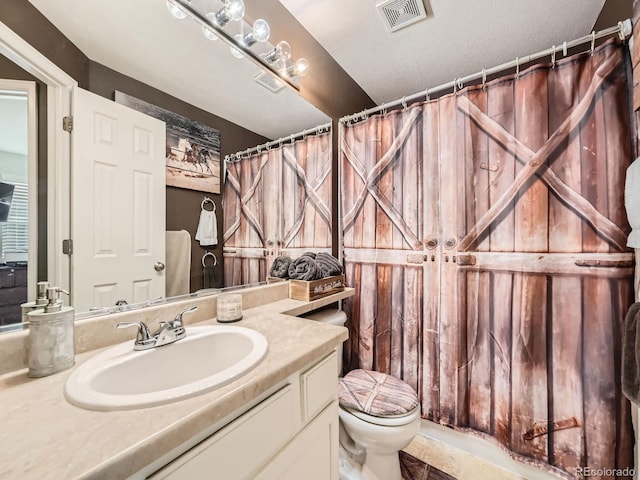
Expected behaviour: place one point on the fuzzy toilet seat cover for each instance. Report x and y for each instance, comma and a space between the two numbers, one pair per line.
376, 393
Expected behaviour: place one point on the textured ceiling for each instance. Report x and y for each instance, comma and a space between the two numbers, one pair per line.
140, 39
461, 38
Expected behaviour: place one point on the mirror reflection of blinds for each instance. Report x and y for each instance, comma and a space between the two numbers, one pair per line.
15, 231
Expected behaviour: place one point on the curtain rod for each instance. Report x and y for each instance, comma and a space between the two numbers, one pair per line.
623, 29
266, 146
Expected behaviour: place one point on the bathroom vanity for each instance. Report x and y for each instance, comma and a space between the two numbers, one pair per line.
278, 421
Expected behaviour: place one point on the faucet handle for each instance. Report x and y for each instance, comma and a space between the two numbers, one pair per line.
177, 322
143, 331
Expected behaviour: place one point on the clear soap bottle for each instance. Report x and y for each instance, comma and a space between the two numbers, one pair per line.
51, 336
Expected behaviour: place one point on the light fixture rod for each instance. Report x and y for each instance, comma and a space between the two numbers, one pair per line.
289, 138
623, 29
228, 39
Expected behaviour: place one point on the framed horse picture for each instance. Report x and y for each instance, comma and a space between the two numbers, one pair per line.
192, 148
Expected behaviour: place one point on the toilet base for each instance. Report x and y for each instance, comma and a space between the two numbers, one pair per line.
381, 466
377, 466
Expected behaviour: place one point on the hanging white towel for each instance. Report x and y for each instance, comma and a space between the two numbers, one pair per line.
178, 262
207, 233
632, 202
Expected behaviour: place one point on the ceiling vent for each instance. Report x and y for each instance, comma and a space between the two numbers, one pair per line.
269, 82
397, 14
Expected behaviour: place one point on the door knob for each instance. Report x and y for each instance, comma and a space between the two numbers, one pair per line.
158, 266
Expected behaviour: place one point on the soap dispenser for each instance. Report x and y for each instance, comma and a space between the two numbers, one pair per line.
51, 336
40, 302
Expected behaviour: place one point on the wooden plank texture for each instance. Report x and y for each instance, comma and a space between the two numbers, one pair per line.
514, 235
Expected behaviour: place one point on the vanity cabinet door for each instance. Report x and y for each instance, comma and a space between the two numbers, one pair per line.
241, 448
319, 386
312, 455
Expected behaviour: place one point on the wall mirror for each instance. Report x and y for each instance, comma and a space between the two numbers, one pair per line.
131, 38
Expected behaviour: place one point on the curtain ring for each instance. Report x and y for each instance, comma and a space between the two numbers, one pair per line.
460, 84
291, 139
593, 41
517, 67
564, 49
621, 30
404, 102
553, 57
427, 96
267, 147
484, 78
455, 85
383, 110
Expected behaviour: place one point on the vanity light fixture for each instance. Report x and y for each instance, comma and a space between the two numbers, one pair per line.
276, 62
259, 33
280, 53
232, 10
300, 68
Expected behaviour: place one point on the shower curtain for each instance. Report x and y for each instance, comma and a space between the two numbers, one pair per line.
276, 202
485, 234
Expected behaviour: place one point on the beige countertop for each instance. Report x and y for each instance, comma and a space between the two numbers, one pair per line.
42, 436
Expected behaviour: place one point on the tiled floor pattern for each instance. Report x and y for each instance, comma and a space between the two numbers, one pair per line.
415, 469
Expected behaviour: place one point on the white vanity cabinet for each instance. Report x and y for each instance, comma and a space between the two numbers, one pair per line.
292, 434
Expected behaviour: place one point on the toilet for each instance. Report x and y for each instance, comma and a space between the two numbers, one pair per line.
379, 416
332, 316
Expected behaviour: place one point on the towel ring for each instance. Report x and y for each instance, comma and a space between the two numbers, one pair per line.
209, 254
207, 199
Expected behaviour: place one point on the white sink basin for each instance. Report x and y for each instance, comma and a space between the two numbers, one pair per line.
120, 378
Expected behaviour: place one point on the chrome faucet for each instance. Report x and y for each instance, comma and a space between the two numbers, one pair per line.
168, 332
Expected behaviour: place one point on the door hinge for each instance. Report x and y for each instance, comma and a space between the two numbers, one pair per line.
67, 123
67, 246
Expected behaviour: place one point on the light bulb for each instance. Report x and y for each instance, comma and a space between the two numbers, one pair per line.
232, 10
301, 67
259, 33
207, 31
235, 9
176, 10
281, 52
234, 51
261, 30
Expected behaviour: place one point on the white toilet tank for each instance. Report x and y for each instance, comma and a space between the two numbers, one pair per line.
333, 316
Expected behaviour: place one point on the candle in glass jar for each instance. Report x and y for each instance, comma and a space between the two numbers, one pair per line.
229, 307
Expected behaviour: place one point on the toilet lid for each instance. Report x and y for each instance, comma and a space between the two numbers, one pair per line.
376, 394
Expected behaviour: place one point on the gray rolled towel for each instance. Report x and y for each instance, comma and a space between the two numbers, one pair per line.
329, 265
304, 268
631, 354
280, 267
309, 254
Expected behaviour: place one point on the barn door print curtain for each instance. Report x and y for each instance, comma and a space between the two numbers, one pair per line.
276, 201
485, 235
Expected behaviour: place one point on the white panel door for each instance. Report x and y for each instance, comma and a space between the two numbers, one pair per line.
118, 203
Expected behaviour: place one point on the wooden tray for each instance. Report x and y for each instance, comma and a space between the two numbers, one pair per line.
308, 291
